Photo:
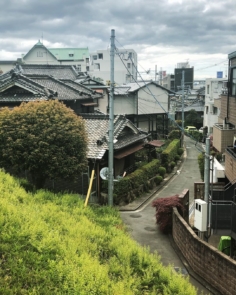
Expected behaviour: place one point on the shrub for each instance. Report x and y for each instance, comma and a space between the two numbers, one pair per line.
180, 151
158, 179
177, 158
164, 208
170, 152
172, 164
174, 134
162, 171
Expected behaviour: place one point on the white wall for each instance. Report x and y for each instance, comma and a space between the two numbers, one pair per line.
212, 91
100, 65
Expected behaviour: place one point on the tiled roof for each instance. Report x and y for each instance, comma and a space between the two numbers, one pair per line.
57, 71
97, 126
41, 86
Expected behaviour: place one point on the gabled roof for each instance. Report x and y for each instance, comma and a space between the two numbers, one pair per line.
36, 46
135, 86
41, 86
32, 90
57, 71
97, 126
70, 53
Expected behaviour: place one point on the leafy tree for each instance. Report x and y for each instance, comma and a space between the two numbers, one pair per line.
193, 119
44, 137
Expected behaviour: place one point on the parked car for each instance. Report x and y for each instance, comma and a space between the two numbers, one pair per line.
189, 129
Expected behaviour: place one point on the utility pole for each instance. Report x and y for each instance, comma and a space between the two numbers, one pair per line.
111, 122
182, 82
207, 180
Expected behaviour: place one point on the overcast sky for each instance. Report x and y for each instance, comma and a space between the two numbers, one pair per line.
163, 33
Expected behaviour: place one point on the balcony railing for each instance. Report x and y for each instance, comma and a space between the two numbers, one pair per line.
224, 127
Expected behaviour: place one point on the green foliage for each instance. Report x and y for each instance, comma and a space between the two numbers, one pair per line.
158, 179
172, 164
51, 244
174, 134
162, 171
193, 119
44, 137
201, 164
180, 151
168, 155
177, 158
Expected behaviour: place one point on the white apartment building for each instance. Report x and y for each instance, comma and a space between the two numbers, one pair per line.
125, 66
213, 90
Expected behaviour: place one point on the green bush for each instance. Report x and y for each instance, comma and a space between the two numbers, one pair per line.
162, 171
158, 179
174, 134
180, 151
172, 164
168, 155
177, 158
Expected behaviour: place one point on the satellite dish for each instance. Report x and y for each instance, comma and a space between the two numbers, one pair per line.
104, 173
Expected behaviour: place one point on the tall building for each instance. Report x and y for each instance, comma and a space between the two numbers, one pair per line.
188, 76
125, 65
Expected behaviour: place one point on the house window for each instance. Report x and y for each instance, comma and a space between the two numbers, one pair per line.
100, 55
87, 60
39, 54
233, 91
215, 110
71, 54
208, 89
78, 68
206, 109
128, 65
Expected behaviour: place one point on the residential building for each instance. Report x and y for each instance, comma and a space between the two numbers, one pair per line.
146, 104
223, 206
40, 54
125, 64
213, 90
168, 82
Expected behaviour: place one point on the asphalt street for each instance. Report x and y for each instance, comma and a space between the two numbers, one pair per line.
142, 223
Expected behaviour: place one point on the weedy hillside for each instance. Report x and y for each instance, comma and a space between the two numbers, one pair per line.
51, 244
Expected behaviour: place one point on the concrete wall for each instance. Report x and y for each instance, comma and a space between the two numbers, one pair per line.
213, 266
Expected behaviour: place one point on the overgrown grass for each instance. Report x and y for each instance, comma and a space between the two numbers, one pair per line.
51, 244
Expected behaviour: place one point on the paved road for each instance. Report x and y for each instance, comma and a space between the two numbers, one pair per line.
142, 223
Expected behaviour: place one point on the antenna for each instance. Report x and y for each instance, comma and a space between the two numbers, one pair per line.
42, 37
104, 173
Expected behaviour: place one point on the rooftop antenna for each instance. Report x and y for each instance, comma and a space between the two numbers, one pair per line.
42, 37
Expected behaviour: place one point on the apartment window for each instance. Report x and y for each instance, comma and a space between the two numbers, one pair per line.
87, 60
39, 54
100, 55
206, 109
215, 110
78, 68
87, 68
95, 57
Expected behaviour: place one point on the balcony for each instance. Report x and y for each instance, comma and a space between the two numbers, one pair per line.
223, 136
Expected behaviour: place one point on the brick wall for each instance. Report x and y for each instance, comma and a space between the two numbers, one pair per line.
205, 260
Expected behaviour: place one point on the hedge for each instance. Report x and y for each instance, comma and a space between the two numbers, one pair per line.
169, 154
